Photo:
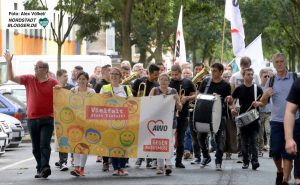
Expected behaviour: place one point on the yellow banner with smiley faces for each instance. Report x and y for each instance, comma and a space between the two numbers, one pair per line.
95, 124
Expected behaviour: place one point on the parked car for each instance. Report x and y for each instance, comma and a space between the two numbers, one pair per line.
17, 129
22, 117
8, 131
3, 141
15, 89
13, 109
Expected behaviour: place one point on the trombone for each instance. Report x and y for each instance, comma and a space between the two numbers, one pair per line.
141, 92
181, 93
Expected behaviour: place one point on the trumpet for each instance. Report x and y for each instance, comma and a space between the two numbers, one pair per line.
181, 93
141, 92
127, 80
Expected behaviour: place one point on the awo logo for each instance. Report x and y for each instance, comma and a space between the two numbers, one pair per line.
156, 126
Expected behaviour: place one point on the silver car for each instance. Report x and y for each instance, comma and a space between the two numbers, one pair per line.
16, 127
3, 141
8, 131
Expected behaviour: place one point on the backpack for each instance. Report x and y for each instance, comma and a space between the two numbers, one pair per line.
271, 81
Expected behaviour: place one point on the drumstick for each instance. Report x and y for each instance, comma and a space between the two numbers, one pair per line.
251, 104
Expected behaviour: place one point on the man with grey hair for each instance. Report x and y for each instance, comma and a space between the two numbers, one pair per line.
39, 97
277, 89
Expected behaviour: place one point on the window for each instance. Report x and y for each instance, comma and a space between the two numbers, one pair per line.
31, 33
69, 36
7, 39
36, 33
2, 105
41, 33
26, 32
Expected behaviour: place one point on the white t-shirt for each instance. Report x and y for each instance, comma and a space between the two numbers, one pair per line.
237, 79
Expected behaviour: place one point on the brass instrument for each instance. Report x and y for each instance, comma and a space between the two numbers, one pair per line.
199, 77
140, 92
181, 93
127, 80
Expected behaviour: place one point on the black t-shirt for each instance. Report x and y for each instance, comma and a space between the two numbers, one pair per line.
246, 96
68, 86
149, 86
189, 87
221, 88
294, 94
99, 85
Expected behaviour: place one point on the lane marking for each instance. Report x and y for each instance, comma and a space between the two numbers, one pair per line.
17, 163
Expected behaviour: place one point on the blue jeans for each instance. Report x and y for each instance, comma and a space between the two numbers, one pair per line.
40, 131
118, 163
188, 140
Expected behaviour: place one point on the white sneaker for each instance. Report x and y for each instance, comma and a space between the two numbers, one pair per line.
218, 167
63, 167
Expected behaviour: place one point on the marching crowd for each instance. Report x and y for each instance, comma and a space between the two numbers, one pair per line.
273, 94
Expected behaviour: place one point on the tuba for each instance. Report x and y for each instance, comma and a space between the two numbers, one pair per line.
198, 79
201, 75
127, 80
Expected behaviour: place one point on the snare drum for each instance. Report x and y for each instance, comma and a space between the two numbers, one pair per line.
246, 118
207, 113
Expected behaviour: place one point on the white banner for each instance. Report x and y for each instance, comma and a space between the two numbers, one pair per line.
255, 51
233, 14
155, 131
180, 53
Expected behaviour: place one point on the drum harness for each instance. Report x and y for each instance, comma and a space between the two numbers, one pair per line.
212, 134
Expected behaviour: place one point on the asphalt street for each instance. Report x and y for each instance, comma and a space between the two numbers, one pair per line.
17, 166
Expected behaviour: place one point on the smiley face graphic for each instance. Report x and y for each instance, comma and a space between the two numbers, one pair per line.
117, 152
127, 138
112, 103
118, 124
75, 133
59, 130
132, 106
100, 150
82, 148
64, 143
92, 136
67, 115
76, 101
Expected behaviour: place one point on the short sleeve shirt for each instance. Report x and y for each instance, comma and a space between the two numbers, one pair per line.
39, 96
149, 86
294, 94
222, 88
188, 87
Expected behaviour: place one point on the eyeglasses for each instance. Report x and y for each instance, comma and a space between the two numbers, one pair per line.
115, 74
39, 67
226, 76
267, 76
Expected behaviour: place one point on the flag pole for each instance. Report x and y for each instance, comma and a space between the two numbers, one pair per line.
223, 40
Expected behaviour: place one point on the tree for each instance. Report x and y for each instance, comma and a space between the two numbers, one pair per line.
73, 8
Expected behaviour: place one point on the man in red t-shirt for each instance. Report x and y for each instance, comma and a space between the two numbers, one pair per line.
39, 94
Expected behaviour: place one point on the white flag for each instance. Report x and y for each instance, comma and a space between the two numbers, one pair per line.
233, 14
254, 51
179, 54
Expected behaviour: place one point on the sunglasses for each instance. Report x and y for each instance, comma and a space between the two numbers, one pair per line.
115, 74
267, 76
